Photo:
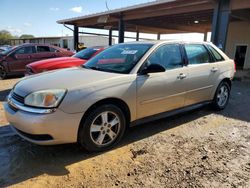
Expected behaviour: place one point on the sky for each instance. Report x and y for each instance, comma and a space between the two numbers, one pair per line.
38, 17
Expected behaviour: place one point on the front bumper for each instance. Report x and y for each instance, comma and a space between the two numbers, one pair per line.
57, 127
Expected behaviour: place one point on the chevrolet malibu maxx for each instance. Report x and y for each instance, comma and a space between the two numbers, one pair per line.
126, 84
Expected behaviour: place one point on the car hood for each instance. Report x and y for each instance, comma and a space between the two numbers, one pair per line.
70, 79
44, 64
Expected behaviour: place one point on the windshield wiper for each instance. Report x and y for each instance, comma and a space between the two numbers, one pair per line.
93, 68
96, 68
84, 66
100, 69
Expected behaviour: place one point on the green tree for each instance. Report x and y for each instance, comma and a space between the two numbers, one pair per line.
26, 36
5, 37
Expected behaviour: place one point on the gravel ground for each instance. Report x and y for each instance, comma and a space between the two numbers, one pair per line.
201, 148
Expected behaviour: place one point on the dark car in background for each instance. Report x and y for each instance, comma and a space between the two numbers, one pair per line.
14, 60
4, 48
63, 62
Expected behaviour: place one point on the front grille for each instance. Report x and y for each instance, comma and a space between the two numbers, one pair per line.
17, 97
37, 137
13, 108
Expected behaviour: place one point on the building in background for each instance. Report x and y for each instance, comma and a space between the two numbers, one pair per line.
66, 42
227, 20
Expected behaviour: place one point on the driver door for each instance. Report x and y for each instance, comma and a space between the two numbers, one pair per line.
164, 91
20, 58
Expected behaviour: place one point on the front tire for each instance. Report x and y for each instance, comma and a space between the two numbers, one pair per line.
222, 95
3, 73
103, 127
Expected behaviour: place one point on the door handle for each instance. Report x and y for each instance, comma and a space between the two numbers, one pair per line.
182, 76
29, 56
214, 69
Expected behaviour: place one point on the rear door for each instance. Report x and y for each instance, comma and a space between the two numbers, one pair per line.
164, 91
20, 58
43, 52
201, 75
55, 52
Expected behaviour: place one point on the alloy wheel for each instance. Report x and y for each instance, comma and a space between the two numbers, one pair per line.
2, 72
222, 96
105, 128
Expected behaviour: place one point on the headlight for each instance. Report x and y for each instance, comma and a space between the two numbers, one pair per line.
46, 98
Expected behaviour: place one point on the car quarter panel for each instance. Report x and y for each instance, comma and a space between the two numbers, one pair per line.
226, 71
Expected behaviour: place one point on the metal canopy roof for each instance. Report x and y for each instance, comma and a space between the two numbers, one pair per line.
165, 16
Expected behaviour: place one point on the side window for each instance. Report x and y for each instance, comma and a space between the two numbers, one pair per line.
53, 50
43, 49
25, 50
169, 56
216, 54
197, 54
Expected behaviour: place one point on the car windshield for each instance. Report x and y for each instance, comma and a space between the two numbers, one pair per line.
8, 50
120, 58
86, 53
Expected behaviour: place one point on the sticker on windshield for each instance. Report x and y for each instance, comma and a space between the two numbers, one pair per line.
129, 52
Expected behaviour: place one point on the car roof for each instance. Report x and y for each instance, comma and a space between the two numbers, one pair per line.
97, 47
34, 44
153, 42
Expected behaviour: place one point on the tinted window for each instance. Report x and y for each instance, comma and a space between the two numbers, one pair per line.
119, 58
169, 56
43, 49
53, 50
25, 50
9, 50
216, 54
197, 54
86, 53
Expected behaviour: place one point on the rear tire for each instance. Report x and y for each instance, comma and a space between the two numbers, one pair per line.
103, 128
3, 73
221, 96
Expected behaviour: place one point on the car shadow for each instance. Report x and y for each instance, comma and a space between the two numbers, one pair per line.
238, 106
21, 160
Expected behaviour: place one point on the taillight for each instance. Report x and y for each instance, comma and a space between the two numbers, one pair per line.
234, 66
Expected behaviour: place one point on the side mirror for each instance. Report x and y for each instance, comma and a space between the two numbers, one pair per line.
152, 68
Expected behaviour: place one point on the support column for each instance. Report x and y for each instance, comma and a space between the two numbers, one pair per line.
76, 38
221, 19
121, 30
110, 37
205, 36
158, 36
137, 35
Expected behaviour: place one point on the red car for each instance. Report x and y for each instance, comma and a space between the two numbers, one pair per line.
64, 62
14, 60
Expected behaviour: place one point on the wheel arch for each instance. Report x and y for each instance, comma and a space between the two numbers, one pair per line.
228, 81
115, 101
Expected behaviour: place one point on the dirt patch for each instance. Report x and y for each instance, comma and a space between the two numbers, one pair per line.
5, 87
201, 148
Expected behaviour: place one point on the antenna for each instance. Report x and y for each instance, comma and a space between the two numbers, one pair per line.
106, 3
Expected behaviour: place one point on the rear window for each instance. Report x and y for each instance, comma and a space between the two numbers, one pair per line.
197, 54
43, 49
53, 50
86, 53
215, 54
